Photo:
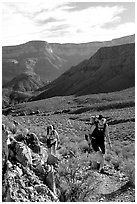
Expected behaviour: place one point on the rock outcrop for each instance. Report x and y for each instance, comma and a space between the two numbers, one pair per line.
27, 176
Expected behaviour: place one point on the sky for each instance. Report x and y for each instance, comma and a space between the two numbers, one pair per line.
66, 21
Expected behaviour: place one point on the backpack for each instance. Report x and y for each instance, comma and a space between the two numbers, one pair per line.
51, 138
99, 130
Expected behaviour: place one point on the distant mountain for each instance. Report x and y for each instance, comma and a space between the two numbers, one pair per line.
82, 51
34, 56
49, 60
109, 69
24, 82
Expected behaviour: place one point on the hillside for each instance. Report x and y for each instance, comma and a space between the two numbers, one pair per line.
75, 104
49, 60
20, 88
76, 177
24, 82
109, 69
34, 56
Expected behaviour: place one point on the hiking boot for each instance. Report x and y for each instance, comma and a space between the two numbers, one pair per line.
98, 166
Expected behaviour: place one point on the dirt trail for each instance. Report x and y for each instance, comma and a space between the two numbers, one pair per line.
106, 186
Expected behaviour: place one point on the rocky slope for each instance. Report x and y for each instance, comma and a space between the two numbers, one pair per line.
27, 171
109, 69
49, 60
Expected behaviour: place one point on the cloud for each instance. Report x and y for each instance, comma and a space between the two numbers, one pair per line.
45, 21
59, 27
55, 21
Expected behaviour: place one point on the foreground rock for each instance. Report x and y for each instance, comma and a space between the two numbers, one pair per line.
27, 175
25, 186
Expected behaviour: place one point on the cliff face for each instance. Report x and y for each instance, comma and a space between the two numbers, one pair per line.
109, 69
49, 60
87, 49
35, 56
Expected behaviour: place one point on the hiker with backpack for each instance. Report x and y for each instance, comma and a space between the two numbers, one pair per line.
98, 133
52, 139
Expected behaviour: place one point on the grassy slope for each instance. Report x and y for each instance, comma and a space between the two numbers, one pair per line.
72, 127
103, 101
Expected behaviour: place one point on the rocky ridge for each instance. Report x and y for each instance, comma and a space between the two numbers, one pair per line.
109, 69
49, 60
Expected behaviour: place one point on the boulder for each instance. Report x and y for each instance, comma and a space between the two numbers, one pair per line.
20, 152
20, 138
4, 162
33, 142
24, 172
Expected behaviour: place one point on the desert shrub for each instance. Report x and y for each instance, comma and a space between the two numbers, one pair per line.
92, 158
80, 110
116, 105
74, 182
72, 139
83, 146
63, 151
69, 149
125, 153
128, 151
128, 165
129, 169
73, 117
71, 146
84, 160
108, 157
105, 106
123, 158
117, 150
124, 143
116, 163
64, 140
